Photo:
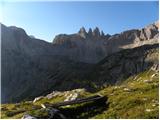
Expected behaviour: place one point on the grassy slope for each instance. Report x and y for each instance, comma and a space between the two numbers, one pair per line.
140, 100
137, 97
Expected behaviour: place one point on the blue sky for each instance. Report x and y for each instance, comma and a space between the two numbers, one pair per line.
44, 20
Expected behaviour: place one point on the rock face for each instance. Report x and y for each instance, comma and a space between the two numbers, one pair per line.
33, 67
93, 46
121, 65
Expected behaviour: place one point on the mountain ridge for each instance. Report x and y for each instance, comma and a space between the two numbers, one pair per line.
31, 66
93, 46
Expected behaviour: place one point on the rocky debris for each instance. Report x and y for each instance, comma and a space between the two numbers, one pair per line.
141, 92
154, 105
155, 67
139, 79
117, 87
71, 97
153, 75
155, 101
38, 98
27, 116
149, 110
147, 81
43, 106
127, 89
135, 77
144, 99
54, 94
111, 94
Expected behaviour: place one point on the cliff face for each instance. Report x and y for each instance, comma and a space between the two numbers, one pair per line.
94, 45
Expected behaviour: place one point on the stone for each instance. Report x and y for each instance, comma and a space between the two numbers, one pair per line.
71, 97
149, 110
111, 94
43, 106
153, 75
54, 94
147, 81
154, 105
38, 98
127, 89
145, 99
27, 116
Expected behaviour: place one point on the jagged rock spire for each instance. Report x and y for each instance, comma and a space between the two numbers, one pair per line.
96, 32
90, 32
82, 32
102, 33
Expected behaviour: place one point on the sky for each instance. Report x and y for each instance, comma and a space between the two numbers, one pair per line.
46, 19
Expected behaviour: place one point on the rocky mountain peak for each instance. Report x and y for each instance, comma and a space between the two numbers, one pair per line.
82, 32
21, 31
102, 33
157, 24
96, 32
90, 32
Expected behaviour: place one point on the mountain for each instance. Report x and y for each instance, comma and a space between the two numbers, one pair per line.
93, 46
32, 67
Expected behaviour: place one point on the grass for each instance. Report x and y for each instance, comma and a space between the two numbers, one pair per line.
136, 102
136, 97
